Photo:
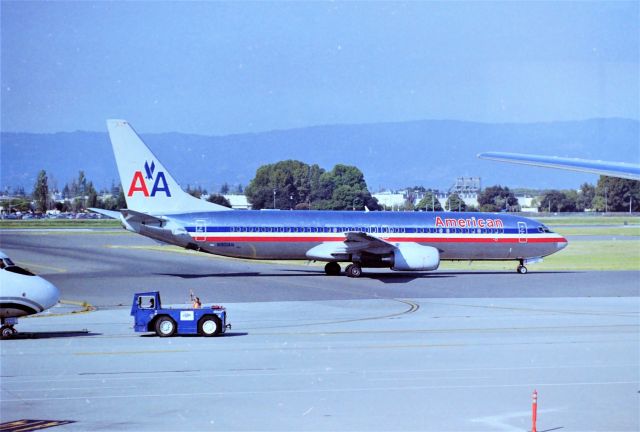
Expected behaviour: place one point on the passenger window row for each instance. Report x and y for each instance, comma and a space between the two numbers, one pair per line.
369, 230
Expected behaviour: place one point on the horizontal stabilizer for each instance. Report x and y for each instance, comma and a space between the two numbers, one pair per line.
109, 213
135, 216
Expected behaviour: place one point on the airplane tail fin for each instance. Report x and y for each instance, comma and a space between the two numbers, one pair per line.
148, 186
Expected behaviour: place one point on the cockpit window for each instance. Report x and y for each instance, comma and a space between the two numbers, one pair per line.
6, 262
544, 229
18, 270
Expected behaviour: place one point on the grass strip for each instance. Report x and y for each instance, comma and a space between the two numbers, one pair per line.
59, 223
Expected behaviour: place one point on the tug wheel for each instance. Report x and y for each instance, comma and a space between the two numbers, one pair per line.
209, 325
165, 327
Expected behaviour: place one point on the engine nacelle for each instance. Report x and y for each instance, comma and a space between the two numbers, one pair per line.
414, 257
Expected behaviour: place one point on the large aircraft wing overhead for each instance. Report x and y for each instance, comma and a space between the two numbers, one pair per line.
611, 169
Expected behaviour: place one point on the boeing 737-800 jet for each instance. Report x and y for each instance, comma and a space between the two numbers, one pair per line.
409, 241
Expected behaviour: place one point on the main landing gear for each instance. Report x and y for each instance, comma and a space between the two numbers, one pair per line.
332, 269
352, 270
521, 268
8, 331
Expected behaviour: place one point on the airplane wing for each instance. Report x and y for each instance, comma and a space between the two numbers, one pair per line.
354, 243
359, 241
611, 169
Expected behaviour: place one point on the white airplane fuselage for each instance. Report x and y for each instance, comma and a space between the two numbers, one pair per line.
291, 235
22, 293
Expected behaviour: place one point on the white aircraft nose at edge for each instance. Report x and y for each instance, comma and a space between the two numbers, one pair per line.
22, 293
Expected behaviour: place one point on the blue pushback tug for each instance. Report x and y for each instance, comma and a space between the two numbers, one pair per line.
150, 316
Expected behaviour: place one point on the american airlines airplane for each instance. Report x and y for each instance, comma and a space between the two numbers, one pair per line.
22, 293
406, 241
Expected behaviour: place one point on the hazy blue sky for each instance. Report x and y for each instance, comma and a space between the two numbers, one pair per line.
218, 68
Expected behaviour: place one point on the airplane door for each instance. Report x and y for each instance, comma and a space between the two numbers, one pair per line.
201, 230
522, 232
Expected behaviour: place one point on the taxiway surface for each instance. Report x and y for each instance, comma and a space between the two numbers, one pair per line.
105, 268
391, 351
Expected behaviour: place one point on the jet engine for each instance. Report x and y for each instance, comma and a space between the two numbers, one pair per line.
414, 257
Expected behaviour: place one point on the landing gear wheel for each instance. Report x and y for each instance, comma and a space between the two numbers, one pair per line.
332, 269
7, 332
165, 327
353, 271
522, 269
209, 325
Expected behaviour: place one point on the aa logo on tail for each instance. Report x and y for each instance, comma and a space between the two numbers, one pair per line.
139, 184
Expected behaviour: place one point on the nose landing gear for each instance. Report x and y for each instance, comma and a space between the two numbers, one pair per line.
521, 268
8, 331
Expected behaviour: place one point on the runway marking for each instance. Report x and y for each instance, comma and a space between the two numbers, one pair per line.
138, 372
413, 307
330, 390
128, 352
630, 327
86, 308
55, 269
524, 309
42, 389
232, 373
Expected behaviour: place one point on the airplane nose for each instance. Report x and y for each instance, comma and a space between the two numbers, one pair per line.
562, 243
49, 294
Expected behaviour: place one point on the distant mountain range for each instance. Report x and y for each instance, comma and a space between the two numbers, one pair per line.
431, 153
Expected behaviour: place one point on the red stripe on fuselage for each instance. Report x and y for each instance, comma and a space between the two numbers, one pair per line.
280, 239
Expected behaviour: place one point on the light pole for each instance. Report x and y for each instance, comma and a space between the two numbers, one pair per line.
274, 199
606, 201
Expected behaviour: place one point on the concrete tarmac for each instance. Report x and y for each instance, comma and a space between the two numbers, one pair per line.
390, 351
106, 268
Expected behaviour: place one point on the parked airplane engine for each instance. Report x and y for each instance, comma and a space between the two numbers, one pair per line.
414, 257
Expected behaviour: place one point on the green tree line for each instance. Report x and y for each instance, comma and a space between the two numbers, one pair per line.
292, 184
